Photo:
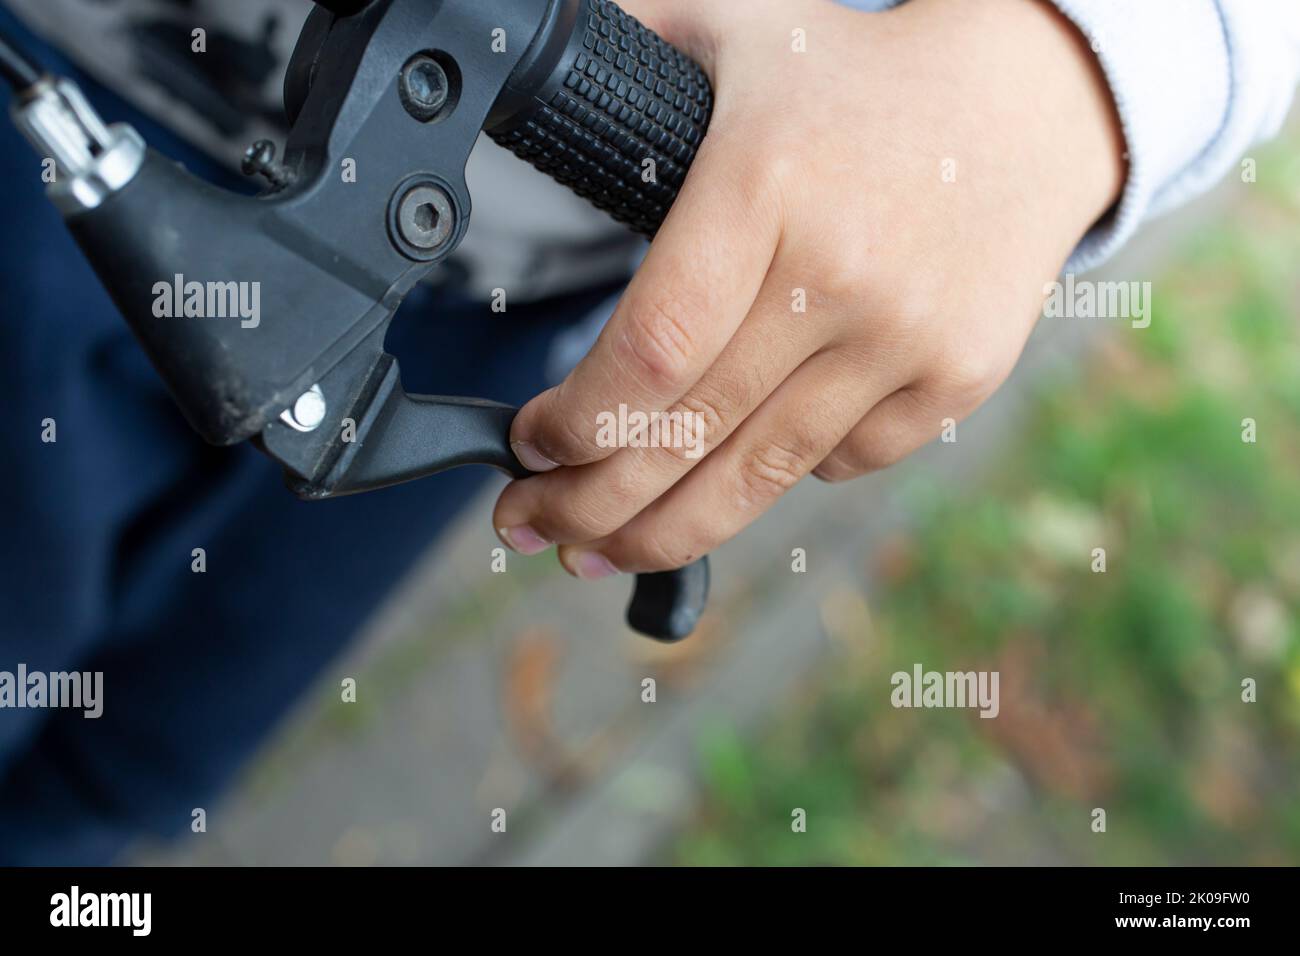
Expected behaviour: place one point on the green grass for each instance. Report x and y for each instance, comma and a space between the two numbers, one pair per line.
1120, 690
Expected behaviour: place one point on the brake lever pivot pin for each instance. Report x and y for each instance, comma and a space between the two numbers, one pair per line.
308, 411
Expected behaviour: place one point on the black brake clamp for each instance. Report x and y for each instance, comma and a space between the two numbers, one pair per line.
396, 92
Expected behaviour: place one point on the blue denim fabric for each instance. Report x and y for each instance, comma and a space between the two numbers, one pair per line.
98, 530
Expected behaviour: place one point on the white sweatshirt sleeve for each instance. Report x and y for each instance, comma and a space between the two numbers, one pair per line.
1197, 84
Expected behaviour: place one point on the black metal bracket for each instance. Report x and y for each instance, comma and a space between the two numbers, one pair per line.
387, 99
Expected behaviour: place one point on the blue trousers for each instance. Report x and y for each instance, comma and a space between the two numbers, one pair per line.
99, 526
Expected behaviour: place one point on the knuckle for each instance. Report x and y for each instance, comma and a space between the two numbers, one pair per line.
843, 274
770, 166
684, 454
913, 296
709, 415
754, 179
903, 310
562, 439
706, 408
658, 348
762, 183
768, 471
974, 373
883, 440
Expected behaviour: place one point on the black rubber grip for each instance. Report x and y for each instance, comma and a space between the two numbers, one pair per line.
607, 107
610, 109
667, 606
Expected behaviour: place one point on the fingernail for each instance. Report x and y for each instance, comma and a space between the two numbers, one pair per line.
524, 539
590, 566
531, 458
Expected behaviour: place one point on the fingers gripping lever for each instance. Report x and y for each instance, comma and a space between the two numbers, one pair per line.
399, 91
412, 436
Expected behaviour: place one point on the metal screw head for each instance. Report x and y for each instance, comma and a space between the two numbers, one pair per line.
425, 87
308, 411
426, 218
258, 158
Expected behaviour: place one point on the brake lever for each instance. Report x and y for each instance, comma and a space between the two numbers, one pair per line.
385, 437
398, 91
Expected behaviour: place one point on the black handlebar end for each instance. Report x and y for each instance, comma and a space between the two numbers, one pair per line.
615, 112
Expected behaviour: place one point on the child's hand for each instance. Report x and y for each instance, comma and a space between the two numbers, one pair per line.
917, 176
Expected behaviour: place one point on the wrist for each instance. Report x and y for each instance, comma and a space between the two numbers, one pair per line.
1038, 89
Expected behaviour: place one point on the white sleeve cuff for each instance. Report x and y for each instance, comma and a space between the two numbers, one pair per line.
1168, 63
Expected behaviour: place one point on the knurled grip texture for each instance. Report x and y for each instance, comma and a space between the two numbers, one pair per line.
617, 96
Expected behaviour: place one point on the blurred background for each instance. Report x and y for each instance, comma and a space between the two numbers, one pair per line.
1119, 690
